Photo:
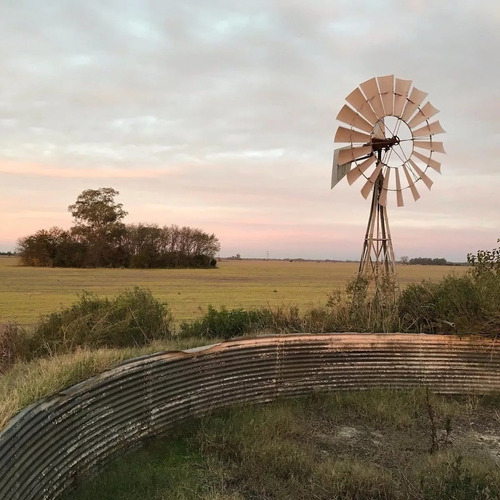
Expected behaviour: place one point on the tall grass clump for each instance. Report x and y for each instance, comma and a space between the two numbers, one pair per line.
12, 344
224, 323
133, 318
468, 304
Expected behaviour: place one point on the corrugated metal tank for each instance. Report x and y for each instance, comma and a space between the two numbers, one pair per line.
49, 447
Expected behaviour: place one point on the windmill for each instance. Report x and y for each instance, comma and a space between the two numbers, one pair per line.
391, 146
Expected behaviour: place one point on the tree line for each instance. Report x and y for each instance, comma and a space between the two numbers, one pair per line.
427, 261
99, 238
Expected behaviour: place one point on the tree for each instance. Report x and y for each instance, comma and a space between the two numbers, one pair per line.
98, 225
485, 262
96, 208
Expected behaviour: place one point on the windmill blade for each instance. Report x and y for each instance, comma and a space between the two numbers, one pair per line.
386, 86
356, 172
349, 116
370, 89
430, 162
430, 145
416, 98
401, 89
365, 191
379, 129
424, 113
429, 129
399, 193
347, 155
373, 177
425, 179
348, 135
339, 171
359, 102
411, 184
383, 195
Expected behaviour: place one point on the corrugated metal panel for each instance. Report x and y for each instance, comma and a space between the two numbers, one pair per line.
50, 446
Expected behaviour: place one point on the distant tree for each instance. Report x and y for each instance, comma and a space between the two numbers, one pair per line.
404, 259
170, 246
428, 261
96, 208
99, 226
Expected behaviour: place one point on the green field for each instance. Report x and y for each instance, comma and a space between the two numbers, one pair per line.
28, 292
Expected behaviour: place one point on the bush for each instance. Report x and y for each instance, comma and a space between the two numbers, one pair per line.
12, 344
466, 304
425, 307
133, 318
225, 323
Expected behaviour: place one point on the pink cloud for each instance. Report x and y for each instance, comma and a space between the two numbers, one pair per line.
43, 170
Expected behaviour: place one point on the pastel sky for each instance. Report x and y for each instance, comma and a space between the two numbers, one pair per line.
220, 114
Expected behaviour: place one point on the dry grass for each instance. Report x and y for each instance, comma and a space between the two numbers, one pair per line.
28, 292
27, 383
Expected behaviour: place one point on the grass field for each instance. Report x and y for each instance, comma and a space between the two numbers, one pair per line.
28, 292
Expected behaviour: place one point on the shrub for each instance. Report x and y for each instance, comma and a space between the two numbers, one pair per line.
133, 318
12, 344
465, 304
425, 307
226, 323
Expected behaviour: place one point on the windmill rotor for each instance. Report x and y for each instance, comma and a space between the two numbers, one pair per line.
387, 119
388, 128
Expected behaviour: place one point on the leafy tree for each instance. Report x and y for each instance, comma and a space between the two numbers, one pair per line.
485, 262
98, 225
96, 209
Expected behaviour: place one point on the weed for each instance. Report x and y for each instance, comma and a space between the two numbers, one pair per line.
12, 340
459, 479
133, 318
225, 323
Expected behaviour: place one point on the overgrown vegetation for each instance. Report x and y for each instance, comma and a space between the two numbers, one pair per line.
467, 304
132, 319
359, 445
100, 239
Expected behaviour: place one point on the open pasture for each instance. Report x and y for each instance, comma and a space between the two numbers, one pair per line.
28, 292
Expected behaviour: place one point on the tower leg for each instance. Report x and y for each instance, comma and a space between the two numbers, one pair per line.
377, 257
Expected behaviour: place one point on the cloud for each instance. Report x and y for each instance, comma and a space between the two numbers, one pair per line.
223, 113
19, 169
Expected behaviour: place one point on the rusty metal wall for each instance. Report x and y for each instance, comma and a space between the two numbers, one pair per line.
50, 446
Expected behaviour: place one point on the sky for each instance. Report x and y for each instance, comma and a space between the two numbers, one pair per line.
220, 114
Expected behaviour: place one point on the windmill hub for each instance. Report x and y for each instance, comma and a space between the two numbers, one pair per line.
384, 144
